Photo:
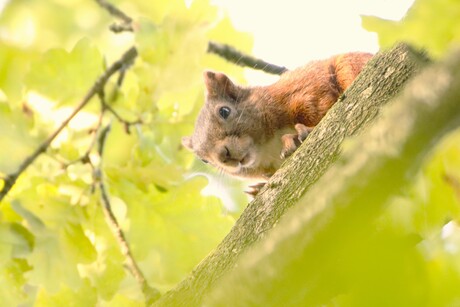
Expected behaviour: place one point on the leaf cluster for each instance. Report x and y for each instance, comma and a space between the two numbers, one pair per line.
56, 247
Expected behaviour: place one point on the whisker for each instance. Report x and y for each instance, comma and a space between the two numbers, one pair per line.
241, 115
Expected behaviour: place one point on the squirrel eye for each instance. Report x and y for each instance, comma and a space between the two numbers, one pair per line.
224, 112
204, 161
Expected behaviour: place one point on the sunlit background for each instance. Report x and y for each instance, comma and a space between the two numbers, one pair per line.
292, 32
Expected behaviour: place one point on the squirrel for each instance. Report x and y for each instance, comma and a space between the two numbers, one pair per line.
248, 131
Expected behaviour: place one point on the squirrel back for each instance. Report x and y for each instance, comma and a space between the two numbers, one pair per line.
311, 90
243, 130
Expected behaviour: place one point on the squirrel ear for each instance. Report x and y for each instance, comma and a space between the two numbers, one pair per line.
218, 84
187, 142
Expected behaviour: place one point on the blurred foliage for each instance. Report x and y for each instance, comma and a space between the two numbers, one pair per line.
427, 215
56, 248
405, 254
429, 24
430, 209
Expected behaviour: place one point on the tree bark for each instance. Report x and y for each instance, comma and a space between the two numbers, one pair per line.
381, 80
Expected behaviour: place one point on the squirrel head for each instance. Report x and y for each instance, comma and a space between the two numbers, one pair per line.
229, 129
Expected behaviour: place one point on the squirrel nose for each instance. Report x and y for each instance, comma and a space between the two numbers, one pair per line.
225, 155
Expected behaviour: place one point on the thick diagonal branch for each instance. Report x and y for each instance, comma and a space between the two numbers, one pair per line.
380, 81
339, 216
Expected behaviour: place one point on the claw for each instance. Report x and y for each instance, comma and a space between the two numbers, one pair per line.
302, 131
254, 189
292, 141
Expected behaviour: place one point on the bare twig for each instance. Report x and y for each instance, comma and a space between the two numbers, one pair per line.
125, 26
126, 123
151, 294
85, 157
114, 11
121, 75
121, 27
232, 55
106, 107
126, 59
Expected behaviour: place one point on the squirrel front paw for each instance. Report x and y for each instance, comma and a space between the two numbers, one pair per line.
292, 141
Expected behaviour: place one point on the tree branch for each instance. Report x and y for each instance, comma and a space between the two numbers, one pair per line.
85, 157
114, 11
151, 294
225, 51
126, 123
126, 59
121, 27
232, 55
380, 80
126, 24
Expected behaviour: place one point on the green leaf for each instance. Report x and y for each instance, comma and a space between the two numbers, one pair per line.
63, 76
58, 248
68, 254
16, 137
183, 227
84, 295
15, 241
123, 301
56, 256
50, 23
442, 197
106, 273
12, 282
14, 64
422, 26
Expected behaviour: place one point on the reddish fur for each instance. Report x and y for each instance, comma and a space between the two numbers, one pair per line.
307, 93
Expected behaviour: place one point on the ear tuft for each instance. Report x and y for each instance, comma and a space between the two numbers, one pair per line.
211, 83
209, 75
187, 142
218, 84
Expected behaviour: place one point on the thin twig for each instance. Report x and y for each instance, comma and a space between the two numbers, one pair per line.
85, 157
126, 59
125, 26
126, 123
121, 27
106, 107
237, 57
121, 75
151, 294
114, 11
95, 131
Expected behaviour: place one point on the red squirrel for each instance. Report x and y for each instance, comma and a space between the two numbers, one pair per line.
248, 131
